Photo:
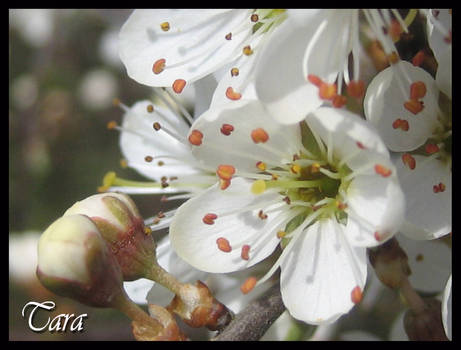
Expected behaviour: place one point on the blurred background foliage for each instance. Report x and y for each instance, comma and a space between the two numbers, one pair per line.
64, 73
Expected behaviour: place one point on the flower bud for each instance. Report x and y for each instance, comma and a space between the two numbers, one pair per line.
390, 263
426, 325
121, 225
74, 261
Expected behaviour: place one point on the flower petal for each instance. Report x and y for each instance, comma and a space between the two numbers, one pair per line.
444, 73
439, 24
320, 273
219, 245
137, 290
192, 47
237, 147
446, 309
139, 139
428, 213
384, 106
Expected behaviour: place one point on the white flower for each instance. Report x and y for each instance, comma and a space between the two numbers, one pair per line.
174, 47
324, 201
310, 51
402, 101
446, 309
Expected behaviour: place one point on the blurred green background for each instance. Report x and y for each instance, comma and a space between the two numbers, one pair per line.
64, 73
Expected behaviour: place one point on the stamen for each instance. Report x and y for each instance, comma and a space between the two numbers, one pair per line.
159, 66
225, 172
414, 106
209, 218
178, 85
165, 26
261, 166
227, 129
382, 170
409, 160
228, 36
233, 95
245, 252
339, 101
247, 50
327, 91
356, 88
248, 285
418, 59
315, 80
356, 295
261, 215
259, 135
223, 245
195, 138
234, 72
417, 90
401, 124
158, 127
431, 148
439, 188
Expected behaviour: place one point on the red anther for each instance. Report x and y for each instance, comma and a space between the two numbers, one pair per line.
225, 172
327, 91
382, 170
259, 135
356, 295
233, 95
414, 106
245, 252
227, 129
158, 66
378, 236
408, 160
417, 90
195, 137
223, 184
223, 245
401, 124
431, 148
360, 145
439, 188
178, 85
314, 80
339, 101
419, 58
356, 88
261, 215
248, 285
254, 17
209, 218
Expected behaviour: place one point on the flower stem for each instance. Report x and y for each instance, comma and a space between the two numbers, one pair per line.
414, 301
160, 275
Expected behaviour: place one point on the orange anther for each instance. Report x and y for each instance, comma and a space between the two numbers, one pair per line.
327, 91
401, 124
225, 172
259, 135
232, 95
314, 80
356, 295
209, 218
439, 188
414, 106
248, 285
247, 50
111, 125
245, 252
418, 59
409, 160
339, 101
159, 66
417, 90
431, 148
356, 88
223, 184
195, 137
227, 129
382, 170
223, 245
261, 165
178, 85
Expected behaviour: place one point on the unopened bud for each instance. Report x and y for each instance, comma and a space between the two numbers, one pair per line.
426, 325
74, 261
121, 225
390, 263
198, 308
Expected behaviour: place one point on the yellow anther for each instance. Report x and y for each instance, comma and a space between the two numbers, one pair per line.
247, 50
165, 26
261, 166
109, 179
111, 125
147, 231
315, 168
295, 169
281, 234
258, 187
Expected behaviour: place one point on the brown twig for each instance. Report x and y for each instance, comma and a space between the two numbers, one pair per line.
253, 321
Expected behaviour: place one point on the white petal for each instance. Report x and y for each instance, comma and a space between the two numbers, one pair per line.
429, 261
204, 89
436, 34
139, 139
137, 290
320, 273
384, 104
280, 82
446, 309
428, 214
238, 148
444, 73
196, 242
193, 47
376, 206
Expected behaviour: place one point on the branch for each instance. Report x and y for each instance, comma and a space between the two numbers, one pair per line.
253, 321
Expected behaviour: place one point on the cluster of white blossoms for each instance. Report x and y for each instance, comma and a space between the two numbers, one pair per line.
282, 163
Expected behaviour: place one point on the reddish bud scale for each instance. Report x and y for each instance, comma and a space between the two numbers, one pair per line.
209, 218
226, 129
259, 135
195, 137
409, 161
